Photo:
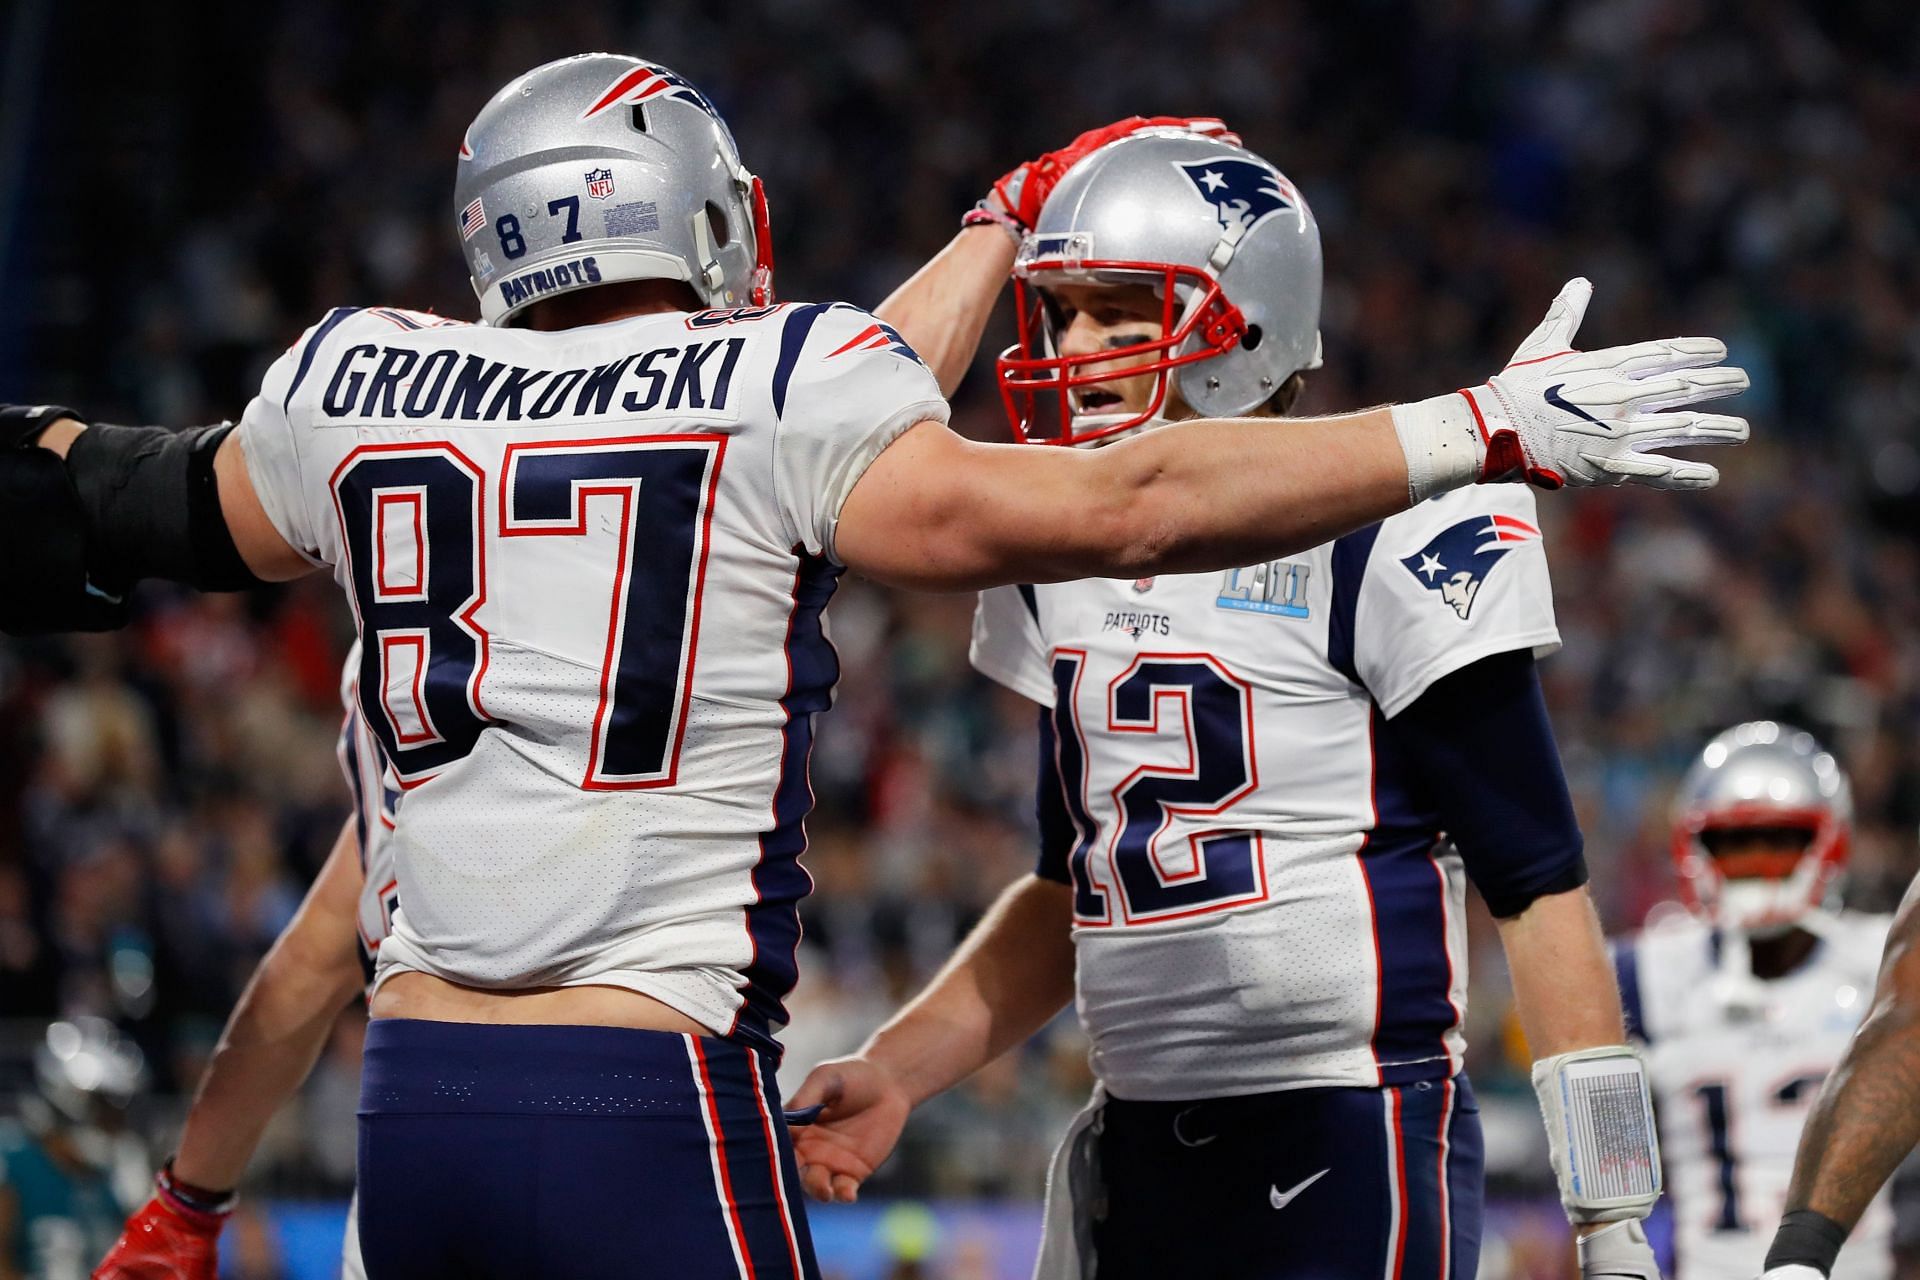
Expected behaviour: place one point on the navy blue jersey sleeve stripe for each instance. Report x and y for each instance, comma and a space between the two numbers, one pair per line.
1058, 834
793, 337
333, 321
1483, 749
1350, 555
1626, 967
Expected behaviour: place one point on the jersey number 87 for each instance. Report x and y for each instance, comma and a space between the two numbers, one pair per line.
413, 519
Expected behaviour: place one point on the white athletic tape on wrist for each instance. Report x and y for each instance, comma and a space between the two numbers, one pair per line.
1441, 443
1599, 1116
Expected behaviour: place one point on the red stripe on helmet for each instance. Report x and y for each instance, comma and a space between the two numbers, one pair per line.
619, 89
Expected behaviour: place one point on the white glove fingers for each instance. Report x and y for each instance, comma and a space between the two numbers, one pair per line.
1554, 335
1653, 470
1643, 359
1689, 387
1664, 430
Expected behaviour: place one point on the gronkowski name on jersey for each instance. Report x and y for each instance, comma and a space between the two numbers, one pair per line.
1735, 1067
1259, 901
588, 569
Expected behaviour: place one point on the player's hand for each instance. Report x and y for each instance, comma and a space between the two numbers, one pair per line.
1015, 200
1556, 416
1618, 1251
165, 1241
864, 1110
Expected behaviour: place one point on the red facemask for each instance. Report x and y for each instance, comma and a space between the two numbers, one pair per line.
1027, 371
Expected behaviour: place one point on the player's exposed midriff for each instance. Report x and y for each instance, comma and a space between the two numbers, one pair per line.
431, 999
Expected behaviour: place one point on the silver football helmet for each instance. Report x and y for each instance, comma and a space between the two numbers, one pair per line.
600, 168
1223, 238
1761, 778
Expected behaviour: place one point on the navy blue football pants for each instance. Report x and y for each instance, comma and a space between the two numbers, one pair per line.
573, 1153
1306, 1184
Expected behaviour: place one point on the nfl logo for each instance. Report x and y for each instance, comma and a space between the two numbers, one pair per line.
600, 183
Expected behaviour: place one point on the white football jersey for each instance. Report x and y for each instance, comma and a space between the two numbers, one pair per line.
376, 795
1259, 901
1735, 1067
588, 570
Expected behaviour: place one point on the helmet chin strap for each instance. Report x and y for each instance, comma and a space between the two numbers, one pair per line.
1734, 982
1734, 985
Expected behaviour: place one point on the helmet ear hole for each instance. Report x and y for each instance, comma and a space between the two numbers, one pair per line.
1251, 338
717, 219
637, 117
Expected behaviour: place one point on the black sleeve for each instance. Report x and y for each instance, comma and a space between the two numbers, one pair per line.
1057, 832
1481, 745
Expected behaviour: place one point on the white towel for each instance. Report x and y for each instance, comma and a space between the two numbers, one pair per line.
1073, 1186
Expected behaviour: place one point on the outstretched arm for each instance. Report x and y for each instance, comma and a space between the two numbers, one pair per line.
1867, 1118
1013, 973
937, 512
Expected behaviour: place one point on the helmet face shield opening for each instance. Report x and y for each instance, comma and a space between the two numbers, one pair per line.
1053, 398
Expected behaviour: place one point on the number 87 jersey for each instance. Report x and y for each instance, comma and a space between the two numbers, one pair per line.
1261, 896
588, 569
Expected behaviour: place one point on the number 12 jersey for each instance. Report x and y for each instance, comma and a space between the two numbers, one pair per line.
1261, 901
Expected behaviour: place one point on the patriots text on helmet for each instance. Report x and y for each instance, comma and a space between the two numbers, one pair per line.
561, 275
404, 383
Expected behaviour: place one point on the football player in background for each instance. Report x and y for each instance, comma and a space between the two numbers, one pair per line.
65, 1165
1745, 1004
588, 544
1244, 781
319, 963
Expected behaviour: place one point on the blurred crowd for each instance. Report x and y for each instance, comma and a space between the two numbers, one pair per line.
1746, 168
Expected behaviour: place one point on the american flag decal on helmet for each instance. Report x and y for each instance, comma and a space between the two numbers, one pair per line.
644, 82
1457, 560
472, 218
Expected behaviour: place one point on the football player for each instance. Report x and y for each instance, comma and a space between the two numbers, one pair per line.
320, 962
61, 1166
588, 543
1245, 777
1745, 1004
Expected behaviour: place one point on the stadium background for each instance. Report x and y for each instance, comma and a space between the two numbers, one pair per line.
184, 188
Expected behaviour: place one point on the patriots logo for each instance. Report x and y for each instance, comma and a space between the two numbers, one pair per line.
1460, 557
1242, 192
877, 337
644, 83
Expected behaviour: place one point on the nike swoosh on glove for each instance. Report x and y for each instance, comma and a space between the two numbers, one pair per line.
1558, 416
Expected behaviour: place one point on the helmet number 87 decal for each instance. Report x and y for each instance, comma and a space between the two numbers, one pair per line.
514, 244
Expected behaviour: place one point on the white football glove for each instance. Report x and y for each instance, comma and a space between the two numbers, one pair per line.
1556, 416
1618, 1251
1794, 1271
